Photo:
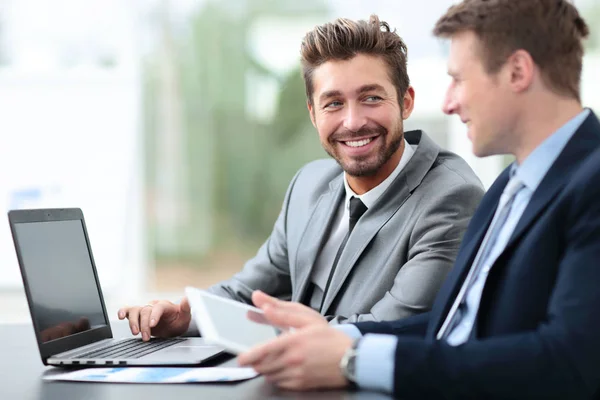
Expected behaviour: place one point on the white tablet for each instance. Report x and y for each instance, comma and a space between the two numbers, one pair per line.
233, 325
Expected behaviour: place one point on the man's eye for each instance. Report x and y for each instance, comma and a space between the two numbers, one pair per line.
333, 104
373, 99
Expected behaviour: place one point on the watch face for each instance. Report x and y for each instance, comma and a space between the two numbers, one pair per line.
348, 363
352, 366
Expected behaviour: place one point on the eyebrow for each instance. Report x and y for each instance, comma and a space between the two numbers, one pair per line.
329, 94
370, 88
363, 89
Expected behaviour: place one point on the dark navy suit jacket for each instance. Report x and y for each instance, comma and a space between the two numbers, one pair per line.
537, 333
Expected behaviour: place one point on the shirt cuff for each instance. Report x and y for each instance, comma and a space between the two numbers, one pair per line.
375, 359
349, 330
192, 330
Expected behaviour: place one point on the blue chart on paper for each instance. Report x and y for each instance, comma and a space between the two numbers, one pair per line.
159, 374
105, 375
156, 375
142, 374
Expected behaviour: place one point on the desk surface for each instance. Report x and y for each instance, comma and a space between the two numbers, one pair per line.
21, 370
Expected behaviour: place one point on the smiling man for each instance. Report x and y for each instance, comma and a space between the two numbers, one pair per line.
370, 235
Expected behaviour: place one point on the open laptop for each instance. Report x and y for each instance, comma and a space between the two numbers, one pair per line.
66, 304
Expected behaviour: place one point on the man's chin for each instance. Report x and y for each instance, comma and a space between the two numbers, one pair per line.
478, 153
360, 171
482, 152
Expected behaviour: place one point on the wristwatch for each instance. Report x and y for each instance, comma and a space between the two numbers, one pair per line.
348, 363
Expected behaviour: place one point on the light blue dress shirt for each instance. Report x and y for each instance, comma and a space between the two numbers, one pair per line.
376, 353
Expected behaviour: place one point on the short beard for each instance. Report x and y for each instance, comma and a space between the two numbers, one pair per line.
361, 168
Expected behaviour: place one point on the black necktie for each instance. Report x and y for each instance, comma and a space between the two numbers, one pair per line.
357, 209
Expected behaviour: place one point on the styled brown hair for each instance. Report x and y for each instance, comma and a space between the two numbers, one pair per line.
551, 31
343, 39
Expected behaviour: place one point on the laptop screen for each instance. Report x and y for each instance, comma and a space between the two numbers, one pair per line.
62, 286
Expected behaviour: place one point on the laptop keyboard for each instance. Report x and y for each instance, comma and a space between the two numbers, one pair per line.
130, 348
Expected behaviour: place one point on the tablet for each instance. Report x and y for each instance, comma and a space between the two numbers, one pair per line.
235, 326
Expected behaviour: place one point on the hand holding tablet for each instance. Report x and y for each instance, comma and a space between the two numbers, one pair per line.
233, 325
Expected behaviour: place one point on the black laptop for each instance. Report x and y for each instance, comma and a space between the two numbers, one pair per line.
66, 304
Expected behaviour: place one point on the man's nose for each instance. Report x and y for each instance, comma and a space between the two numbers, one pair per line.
355, 118
449, 106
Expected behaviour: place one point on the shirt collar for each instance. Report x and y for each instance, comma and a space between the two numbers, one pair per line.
536, 165
369, 198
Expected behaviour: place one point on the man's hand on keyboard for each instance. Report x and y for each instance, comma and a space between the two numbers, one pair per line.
159, 318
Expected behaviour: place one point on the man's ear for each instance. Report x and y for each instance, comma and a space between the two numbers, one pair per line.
408, 102
521, 68
311, 112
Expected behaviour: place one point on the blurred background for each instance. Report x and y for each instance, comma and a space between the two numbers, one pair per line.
176, 125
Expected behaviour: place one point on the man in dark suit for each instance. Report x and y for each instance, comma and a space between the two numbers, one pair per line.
518, 315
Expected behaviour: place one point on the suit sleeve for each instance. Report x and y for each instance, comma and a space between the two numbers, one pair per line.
269, 270
415, 325
434, 244
560, 359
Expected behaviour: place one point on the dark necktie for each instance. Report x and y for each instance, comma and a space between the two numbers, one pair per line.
357, 209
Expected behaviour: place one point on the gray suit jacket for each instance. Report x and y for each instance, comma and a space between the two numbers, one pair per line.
398, 254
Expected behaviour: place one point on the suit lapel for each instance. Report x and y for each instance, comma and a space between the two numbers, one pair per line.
315, 234
469, 247
366, 228
383, 210
583, 142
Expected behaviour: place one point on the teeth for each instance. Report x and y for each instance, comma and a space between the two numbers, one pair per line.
359, 143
